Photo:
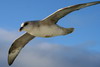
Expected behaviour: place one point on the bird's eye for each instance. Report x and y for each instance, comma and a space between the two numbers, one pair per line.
25, 24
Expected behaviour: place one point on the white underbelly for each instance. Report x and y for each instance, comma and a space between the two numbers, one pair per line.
46, 31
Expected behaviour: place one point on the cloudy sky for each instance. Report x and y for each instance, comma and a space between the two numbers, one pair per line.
79, 49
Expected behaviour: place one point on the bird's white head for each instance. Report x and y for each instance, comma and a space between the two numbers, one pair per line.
23, 26
26, 26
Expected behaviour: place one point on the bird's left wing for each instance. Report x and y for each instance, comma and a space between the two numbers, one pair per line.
53, 18
17, 46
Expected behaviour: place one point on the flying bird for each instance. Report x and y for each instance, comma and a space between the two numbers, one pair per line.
43, 28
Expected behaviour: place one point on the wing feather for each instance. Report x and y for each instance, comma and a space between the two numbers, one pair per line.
17, 45
53, 18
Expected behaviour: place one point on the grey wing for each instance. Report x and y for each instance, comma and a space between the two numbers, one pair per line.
53, 18
17, 45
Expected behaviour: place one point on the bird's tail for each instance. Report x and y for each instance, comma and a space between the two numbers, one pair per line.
68, 30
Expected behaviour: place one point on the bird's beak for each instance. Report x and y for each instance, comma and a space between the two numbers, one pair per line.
21, 28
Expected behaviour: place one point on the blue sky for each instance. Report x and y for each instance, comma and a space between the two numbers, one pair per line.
85, 38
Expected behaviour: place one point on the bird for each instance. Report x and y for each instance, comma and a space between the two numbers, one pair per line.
45, 28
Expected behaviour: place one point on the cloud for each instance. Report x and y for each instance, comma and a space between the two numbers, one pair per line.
49, 55
7, 35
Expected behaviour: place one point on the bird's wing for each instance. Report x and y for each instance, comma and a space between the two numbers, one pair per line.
53, 18
17, 45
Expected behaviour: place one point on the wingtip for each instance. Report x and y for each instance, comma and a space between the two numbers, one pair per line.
9, 62
11, 58
96, 2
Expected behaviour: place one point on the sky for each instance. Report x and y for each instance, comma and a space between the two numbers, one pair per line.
78, 49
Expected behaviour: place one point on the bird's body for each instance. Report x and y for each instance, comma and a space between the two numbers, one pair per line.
44, 28
46, 31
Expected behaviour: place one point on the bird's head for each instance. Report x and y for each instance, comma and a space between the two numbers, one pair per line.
23, 26
28, 25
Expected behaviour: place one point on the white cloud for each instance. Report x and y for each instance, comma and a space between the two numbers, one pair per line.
48, 55
51, 55
7, 35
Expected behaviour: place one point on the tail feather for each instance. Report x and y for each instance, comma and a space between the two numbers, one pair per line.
68, 30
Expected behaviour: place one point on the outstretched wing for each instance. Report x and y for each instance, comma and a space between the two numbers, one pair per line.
53, 18
17, 46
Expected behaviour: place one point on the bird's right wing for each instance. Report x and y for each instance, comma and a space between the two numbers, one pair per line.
53, 18
17, 45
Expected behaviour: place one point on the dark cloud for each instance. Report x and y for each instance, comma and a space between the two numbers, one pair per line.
51, 55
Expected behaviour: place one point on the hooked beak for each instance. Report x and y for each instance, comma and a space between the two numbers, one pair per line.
21, 28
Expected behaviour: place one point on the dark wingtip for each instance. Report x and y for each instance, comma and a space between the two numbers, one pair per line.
9, 62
